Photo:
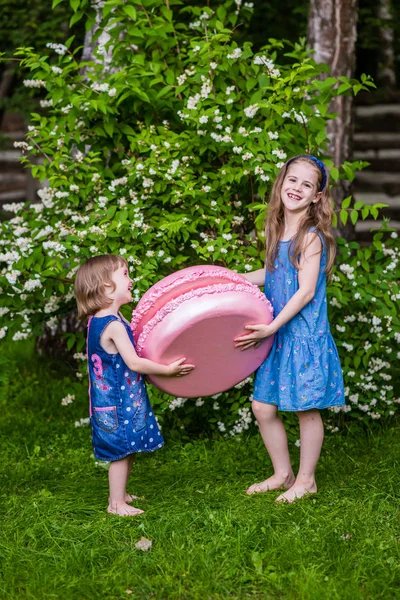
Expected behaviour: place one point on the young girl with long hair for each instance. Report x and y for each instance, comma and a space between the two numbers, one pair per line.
122, 420
302, 373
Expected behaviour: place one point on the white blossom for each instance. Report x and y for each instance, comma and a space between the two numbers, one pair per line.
69, 398
32, 284
83, 422
34, 83
46, 103
251, 110
58, 48
237, 53
147, 182
20, 335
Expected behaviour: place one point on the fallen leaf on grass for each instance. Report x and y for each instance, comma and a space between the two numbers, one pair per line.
128, 592
143, 544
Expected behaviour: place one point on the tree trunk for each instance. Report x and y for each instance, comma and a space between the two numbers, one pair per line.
90, 46
332, 33
386, 75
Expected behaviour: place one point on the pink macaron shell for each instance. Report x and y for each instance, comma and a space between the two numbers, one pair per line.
174, 285
202, 328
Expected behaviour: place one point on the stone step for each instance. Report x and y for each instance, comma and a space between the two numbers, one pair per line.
392, 211
377, 153
368, 224
12, 178
377, 110
363, 140
12, 196
10, 158
372, 198
382, 182
379, 118
365, 230
388, 160
379, 96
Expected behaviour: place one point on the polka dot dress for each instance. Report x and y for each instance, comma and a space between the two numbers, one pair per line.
122, 420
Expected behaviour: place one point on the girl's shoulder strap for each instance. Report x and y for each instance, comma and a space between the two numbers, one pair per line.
97, 325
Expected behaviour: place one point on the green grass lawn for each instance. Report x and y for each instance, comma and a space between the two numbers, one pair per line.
210, 540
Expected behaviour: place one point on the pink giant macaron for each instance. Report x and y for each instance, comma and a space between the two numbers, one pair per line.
197, 312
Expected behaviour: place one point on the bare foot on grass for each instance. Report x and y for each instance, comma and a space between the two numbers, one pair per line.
124, 510
275, 482
129, 498
297, 491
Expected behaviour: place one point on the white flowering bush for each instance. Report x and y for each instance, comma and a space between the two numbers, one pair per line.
364, 298
162, 149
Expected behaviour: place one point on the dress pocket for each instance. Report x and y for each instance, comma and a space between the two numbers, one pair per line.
106, 418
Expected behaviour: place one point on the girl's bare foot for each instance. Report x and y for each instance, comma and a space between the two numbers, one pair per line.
275, 482
123, 510
298, 490
128, 498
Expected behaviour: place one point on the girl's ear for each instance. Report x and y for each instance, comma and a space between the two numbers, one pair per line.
317, 197
107, 284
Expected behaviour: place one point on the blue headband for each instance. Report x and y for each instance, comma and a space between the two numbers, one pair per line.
319, 164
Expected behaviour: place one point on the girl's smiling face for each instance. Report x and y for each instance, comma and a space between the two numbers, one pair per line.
300, 187
123, 285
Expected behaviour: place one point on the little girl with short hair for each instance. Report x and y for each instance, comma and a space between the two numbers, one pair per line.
302, 373
121, 417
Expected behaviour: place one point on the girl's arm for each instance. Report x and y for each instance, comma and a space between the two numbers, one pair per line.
115, 339
308, 277
256, 277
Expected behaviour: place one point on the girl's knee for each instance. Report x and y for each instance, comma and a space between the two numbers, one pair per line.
263, 412
309, 415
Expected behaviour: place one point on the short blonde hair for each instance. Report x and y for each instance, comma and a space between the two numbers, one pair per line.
90, 280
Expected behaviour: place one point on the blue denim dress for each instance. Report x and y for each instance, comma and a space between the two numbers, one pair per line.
121, 417
302, 371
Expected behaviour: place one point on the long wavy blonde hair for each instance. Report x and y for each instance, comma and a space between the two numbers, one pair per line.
319, 216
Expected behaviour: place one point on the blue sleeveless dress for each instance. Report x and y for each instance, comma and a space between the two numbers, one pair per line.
121, 417
302, 371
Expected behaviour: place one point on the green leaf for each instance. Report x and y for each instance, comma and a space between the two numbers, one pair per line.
221, 13
109, 127
346, 202
250, 84
56, 3
130, 11
74, 4
354, 216
111, 212
365, 265
342, 88
71, 341
127, 129
164, 91
344, 215
365, 211
75, 18
334, 173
